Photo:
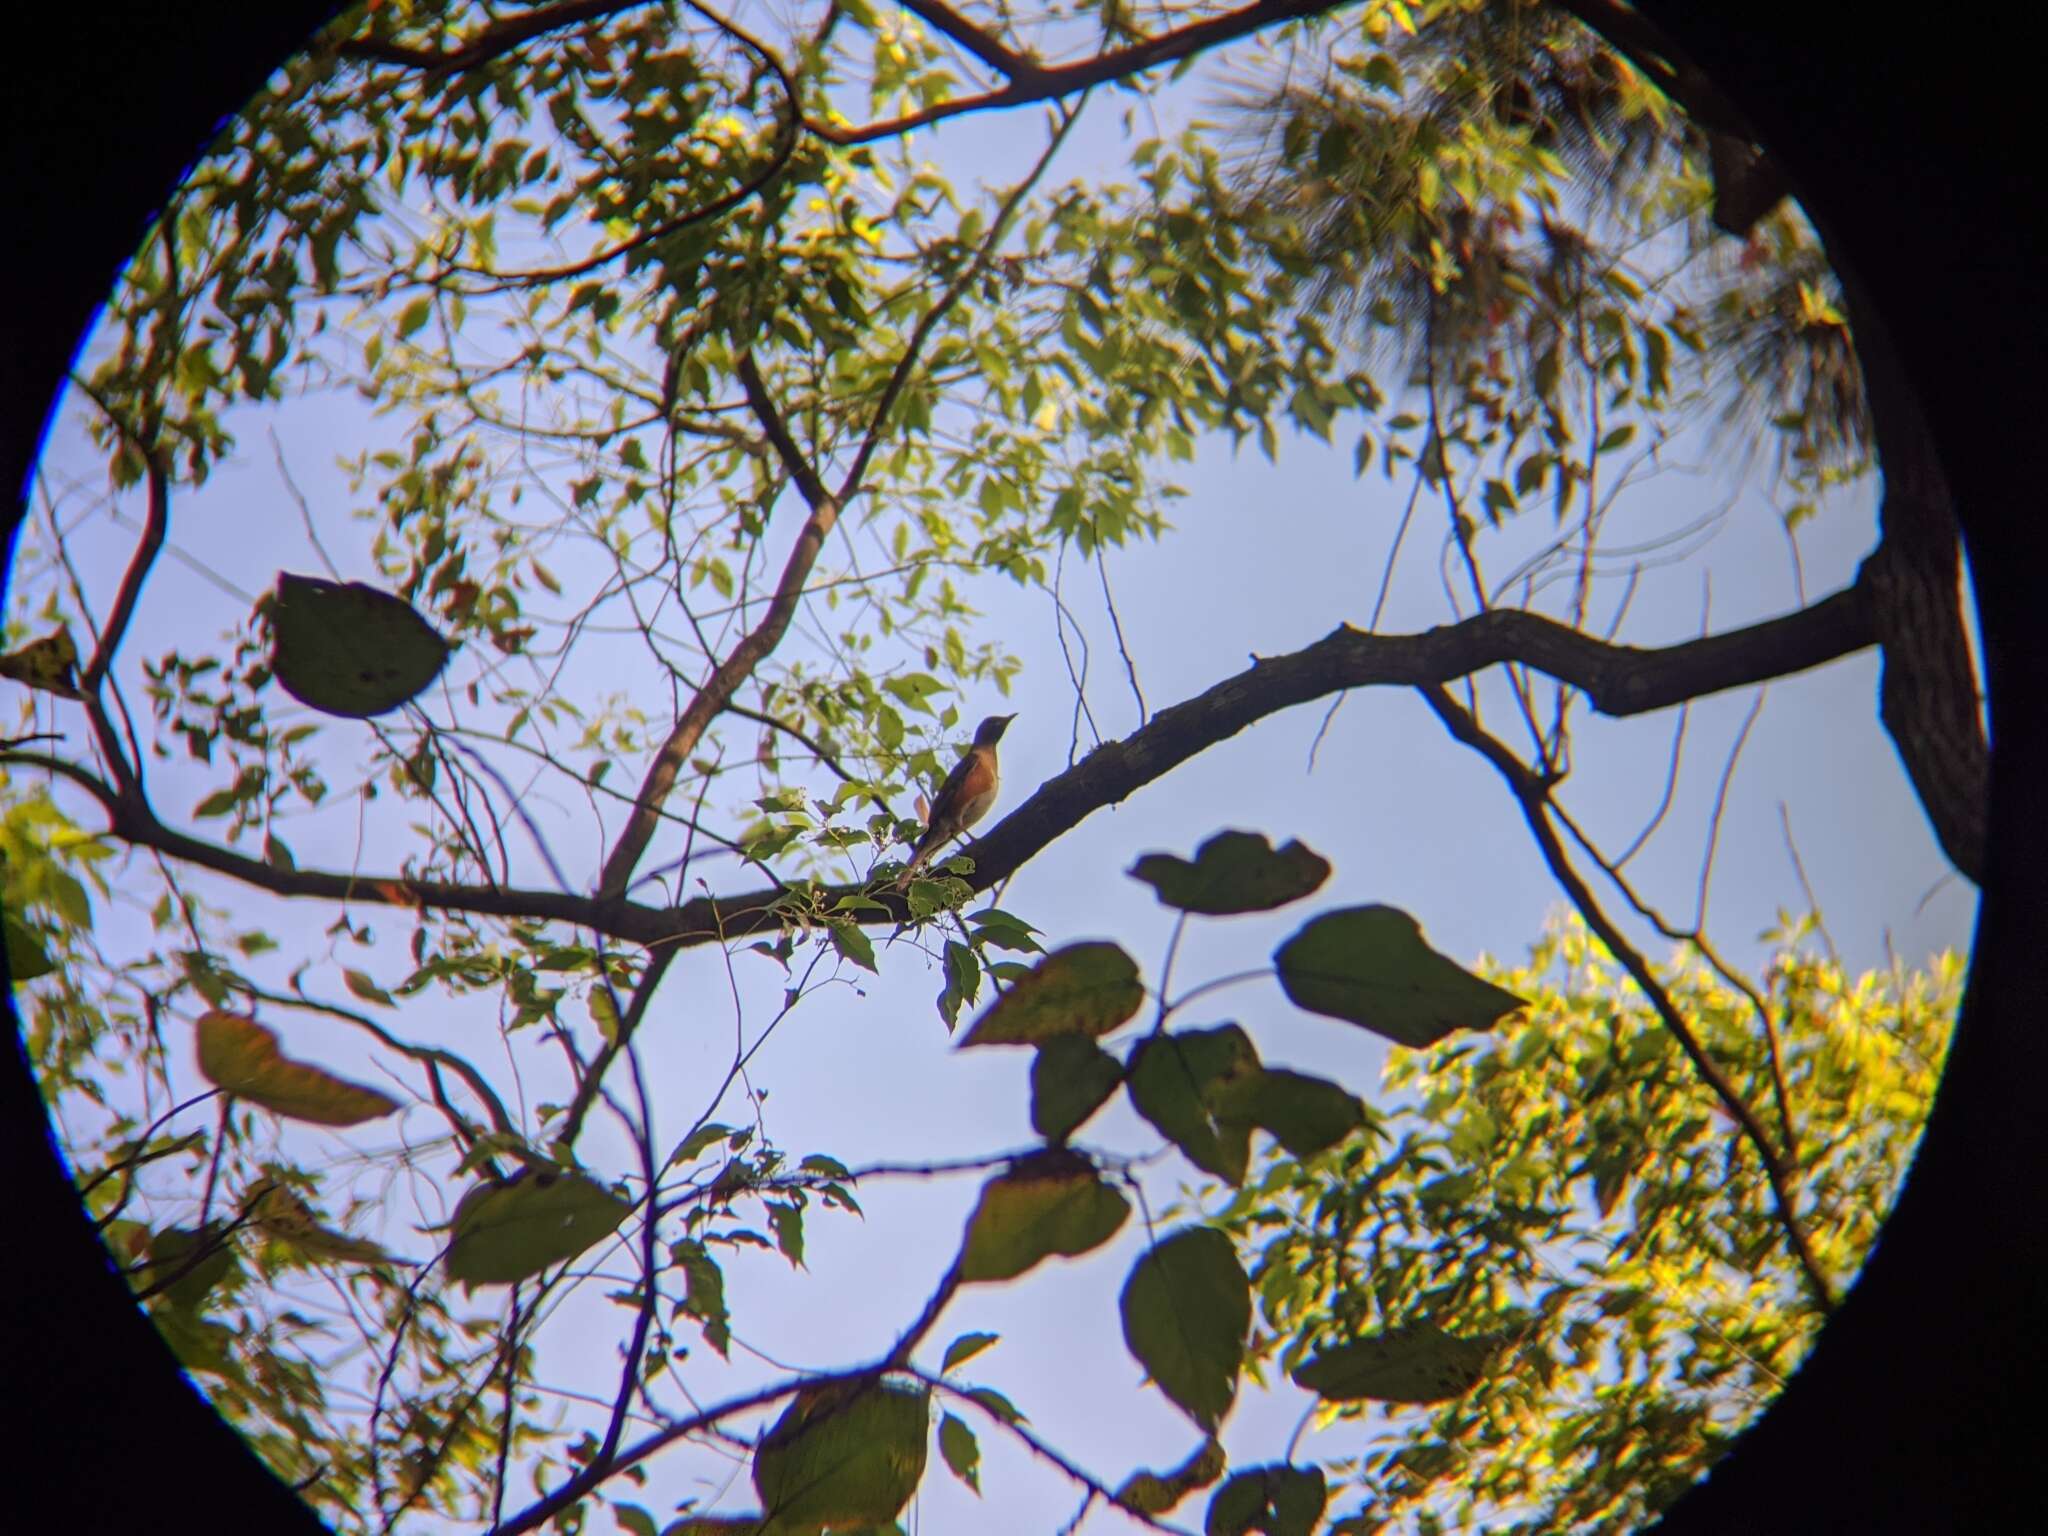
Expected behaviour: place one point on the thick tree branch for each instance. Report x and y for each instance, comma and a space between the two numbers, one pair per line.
1064, 80
1618, 679
992, 51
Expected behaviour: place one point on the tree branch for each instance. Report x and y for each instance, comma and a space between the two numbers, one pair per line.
992, 51
1533, 795
489, 42
1928, 696
1032, 85
739, 664
1619, 680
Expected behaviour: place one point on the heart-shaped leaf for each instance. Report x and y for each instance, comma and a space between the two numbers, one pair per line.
1178, 1082
845, 1455
1186, 1309
242, 1057
1370, 966
1277, 1500
1234, 872
1047, 1204
348, 649
1083, 989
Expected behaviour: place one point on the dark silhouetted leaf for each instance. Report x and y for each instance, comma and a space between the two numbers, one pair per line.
1070, 1078
505, 1231
1156, 1493
1234, 872
1053, 1203
961, 1450
1370, 966
965, 1348
172, 1249
1418, 1363
348, 649
1083, 989
1186, 1308
241, 1056
1278, 1500
1178, 1081
848, 1454
1304, 1114
704, 1297
26, 957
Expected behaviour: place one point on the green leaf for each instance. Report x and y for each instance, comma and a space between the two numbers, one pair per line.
965, 1348
853, 944
242, 1057
366, 989
1418, 1363
1178, 1082
283, 1214
632, 1517
1234, 872
508, 1230
1186, 1308
1370, 966
1083, 989
1306, 1115
705, 1294
846, 1454
1071, 1077
1277, 1499
997, 1404
788, 1222
961, 1450
173, 1248
26, 957
349, 649
1618, 438
1156, 1493
414, 316
692, 1146
1050, 1203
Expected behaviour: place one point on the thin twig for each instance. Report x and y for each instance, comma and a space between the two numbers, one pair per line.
1533, 795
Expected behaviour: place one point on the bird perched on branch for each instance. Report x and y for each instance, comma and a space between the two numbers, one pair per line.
969, 790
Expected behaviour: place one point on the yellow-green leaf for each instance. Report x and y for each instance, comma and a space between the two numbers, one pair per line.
505, 1231
242, 1057
1083, 989
1050, 1203
1156, 1493
844, 1455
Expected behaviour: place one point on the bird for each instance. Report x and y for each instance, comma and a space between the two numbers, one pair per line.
969, 790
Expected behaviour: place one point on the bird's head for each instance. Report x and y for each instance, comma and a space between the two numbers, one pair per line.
990, 731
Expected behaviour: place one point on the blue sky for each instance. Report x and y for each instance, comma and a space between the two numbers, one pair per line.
1262, 559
